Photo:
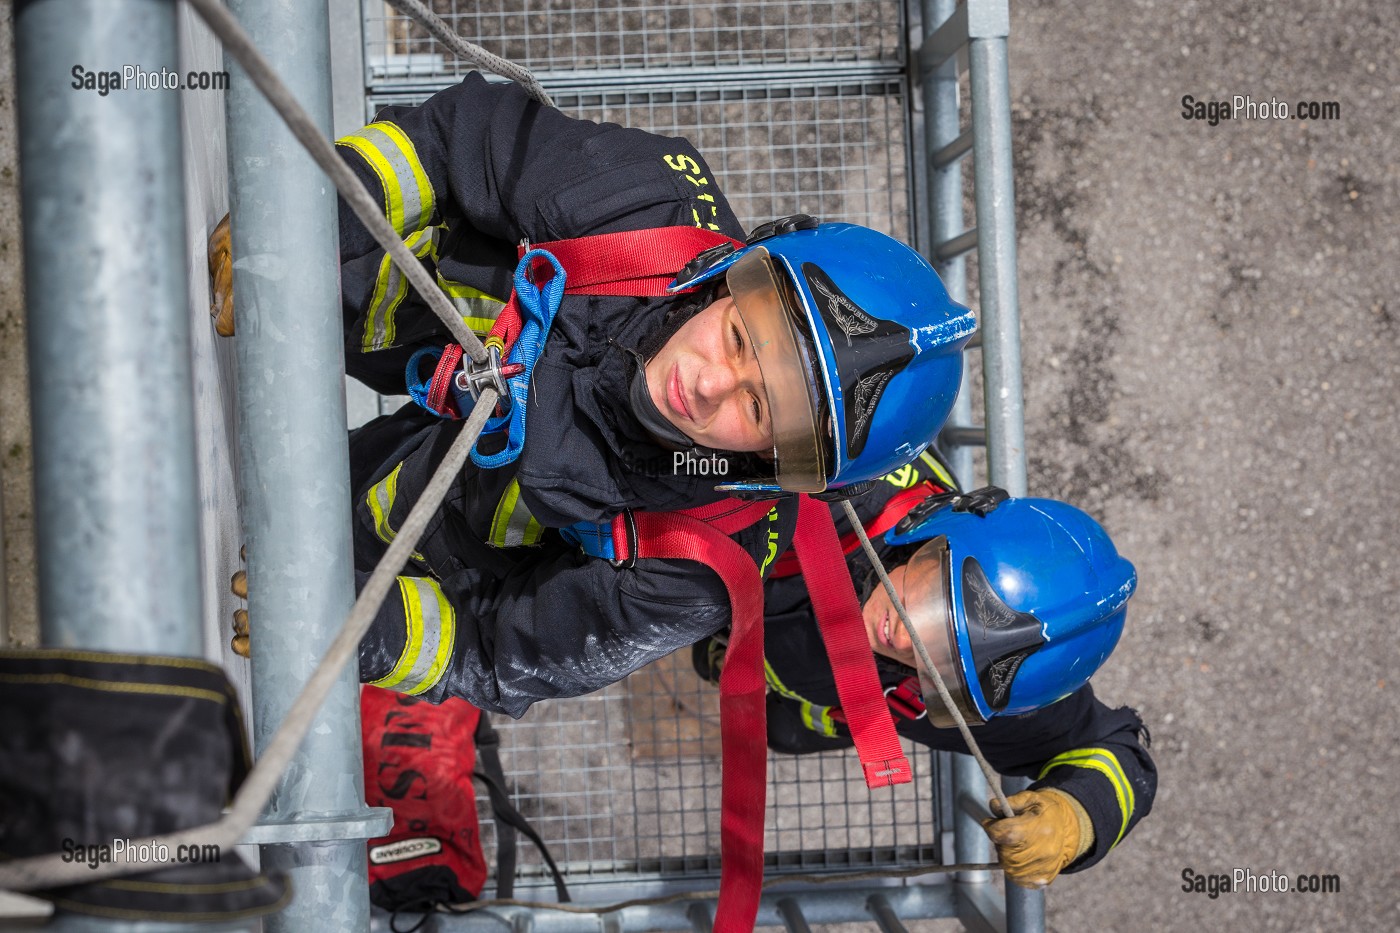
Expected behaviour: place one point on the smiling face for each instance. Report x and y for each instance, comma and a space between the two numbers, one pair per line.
883, 628
705, 380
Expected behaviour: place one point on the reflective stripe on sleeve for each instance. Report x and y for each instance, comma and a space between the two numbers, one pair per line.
478, 309
430, 632
1106, 763
513, 525
390, 290
815, 717
381, 503
408, 194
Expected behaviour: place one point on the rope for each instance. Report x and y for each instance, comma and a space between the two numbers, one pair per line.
470, 51
322, 151
993, 779
876, 874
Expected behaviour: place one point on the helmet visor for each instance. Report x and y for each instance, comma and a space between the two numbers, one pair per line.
772, 314
928, 601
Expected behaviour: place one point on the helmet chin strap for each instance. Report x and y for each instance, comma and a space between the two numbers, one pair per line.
655, 423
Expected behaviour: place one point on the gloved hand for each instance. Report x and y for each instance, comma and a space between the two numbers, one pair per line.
1049, 831
221, 274
239, 586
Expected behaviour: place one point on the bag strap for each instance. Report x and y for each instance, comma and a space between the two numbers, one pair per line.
509, 820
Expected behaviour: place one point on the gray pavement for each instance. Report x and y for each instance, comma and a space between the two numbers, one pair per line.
1211, 359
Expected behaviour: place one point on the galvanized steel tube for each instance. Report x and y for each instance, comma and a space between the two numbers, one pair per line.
941, 128
996, 262
105, 280
294, 462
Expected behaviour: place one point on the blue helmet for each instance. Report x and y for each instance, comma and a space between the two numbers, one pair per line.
1018, 601
859, 345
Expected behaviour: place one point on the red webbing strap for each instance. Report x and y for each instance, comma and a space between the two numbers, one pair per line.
742, 709
843, 630
440, 399
895, 509
634, 263
639, 263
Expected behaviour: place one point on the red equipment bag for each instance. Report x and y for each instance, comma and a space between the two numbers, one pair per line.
419, 760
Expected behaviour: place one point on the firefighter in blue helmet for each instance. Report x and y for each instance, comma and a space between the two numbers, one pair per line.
1018, 602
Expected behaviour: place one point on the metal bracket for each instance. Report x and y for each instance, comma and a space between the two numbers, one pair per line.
364, 824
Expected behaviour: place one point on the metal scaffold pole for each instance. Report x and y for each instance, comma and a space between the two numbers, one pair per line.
295, 469
995, 195
942, 129
106, 290
989, 24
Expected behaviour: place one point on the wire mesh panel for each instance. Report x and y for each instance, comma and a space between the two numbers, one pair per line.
572, 35
624, 786
834, 150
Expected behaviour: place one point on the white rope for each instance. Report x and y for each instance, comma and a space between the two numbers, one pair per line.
371, 214
993, 779
471, 51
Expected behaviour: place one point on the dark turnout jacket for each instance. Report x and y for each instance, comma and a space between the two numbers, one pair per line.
495, 606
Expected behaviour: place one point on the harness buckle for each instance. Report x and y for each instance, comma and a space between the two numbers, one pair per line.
475, 377
903, 699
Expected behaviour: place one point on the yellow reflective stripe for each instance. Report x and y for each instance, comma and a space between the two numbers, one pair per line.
1106, 763
429, 635
513, 525
945, 479
380, 500
408, 195
390, 290
823, 722
478, 309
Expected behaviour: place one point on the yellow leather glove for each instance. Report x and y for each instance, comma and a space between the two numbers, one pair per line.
1049, 831
221, 276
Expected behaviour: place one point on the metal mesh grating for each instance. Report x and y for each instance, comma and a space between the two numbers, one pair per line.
836, 151
561, 35
624, 785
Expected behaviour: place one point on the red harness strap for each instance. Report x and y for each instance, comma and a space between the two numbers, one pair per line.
633, 263
895, 509
703, 535
636, 263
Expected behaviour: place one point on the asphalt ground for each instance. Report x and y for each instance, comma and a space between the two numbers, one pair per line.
1210, 343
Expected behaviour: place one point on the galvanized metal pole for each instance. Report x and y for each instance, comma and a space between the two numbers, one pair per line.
995, 195
104, 220
941, 128
989, 24
295, 468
